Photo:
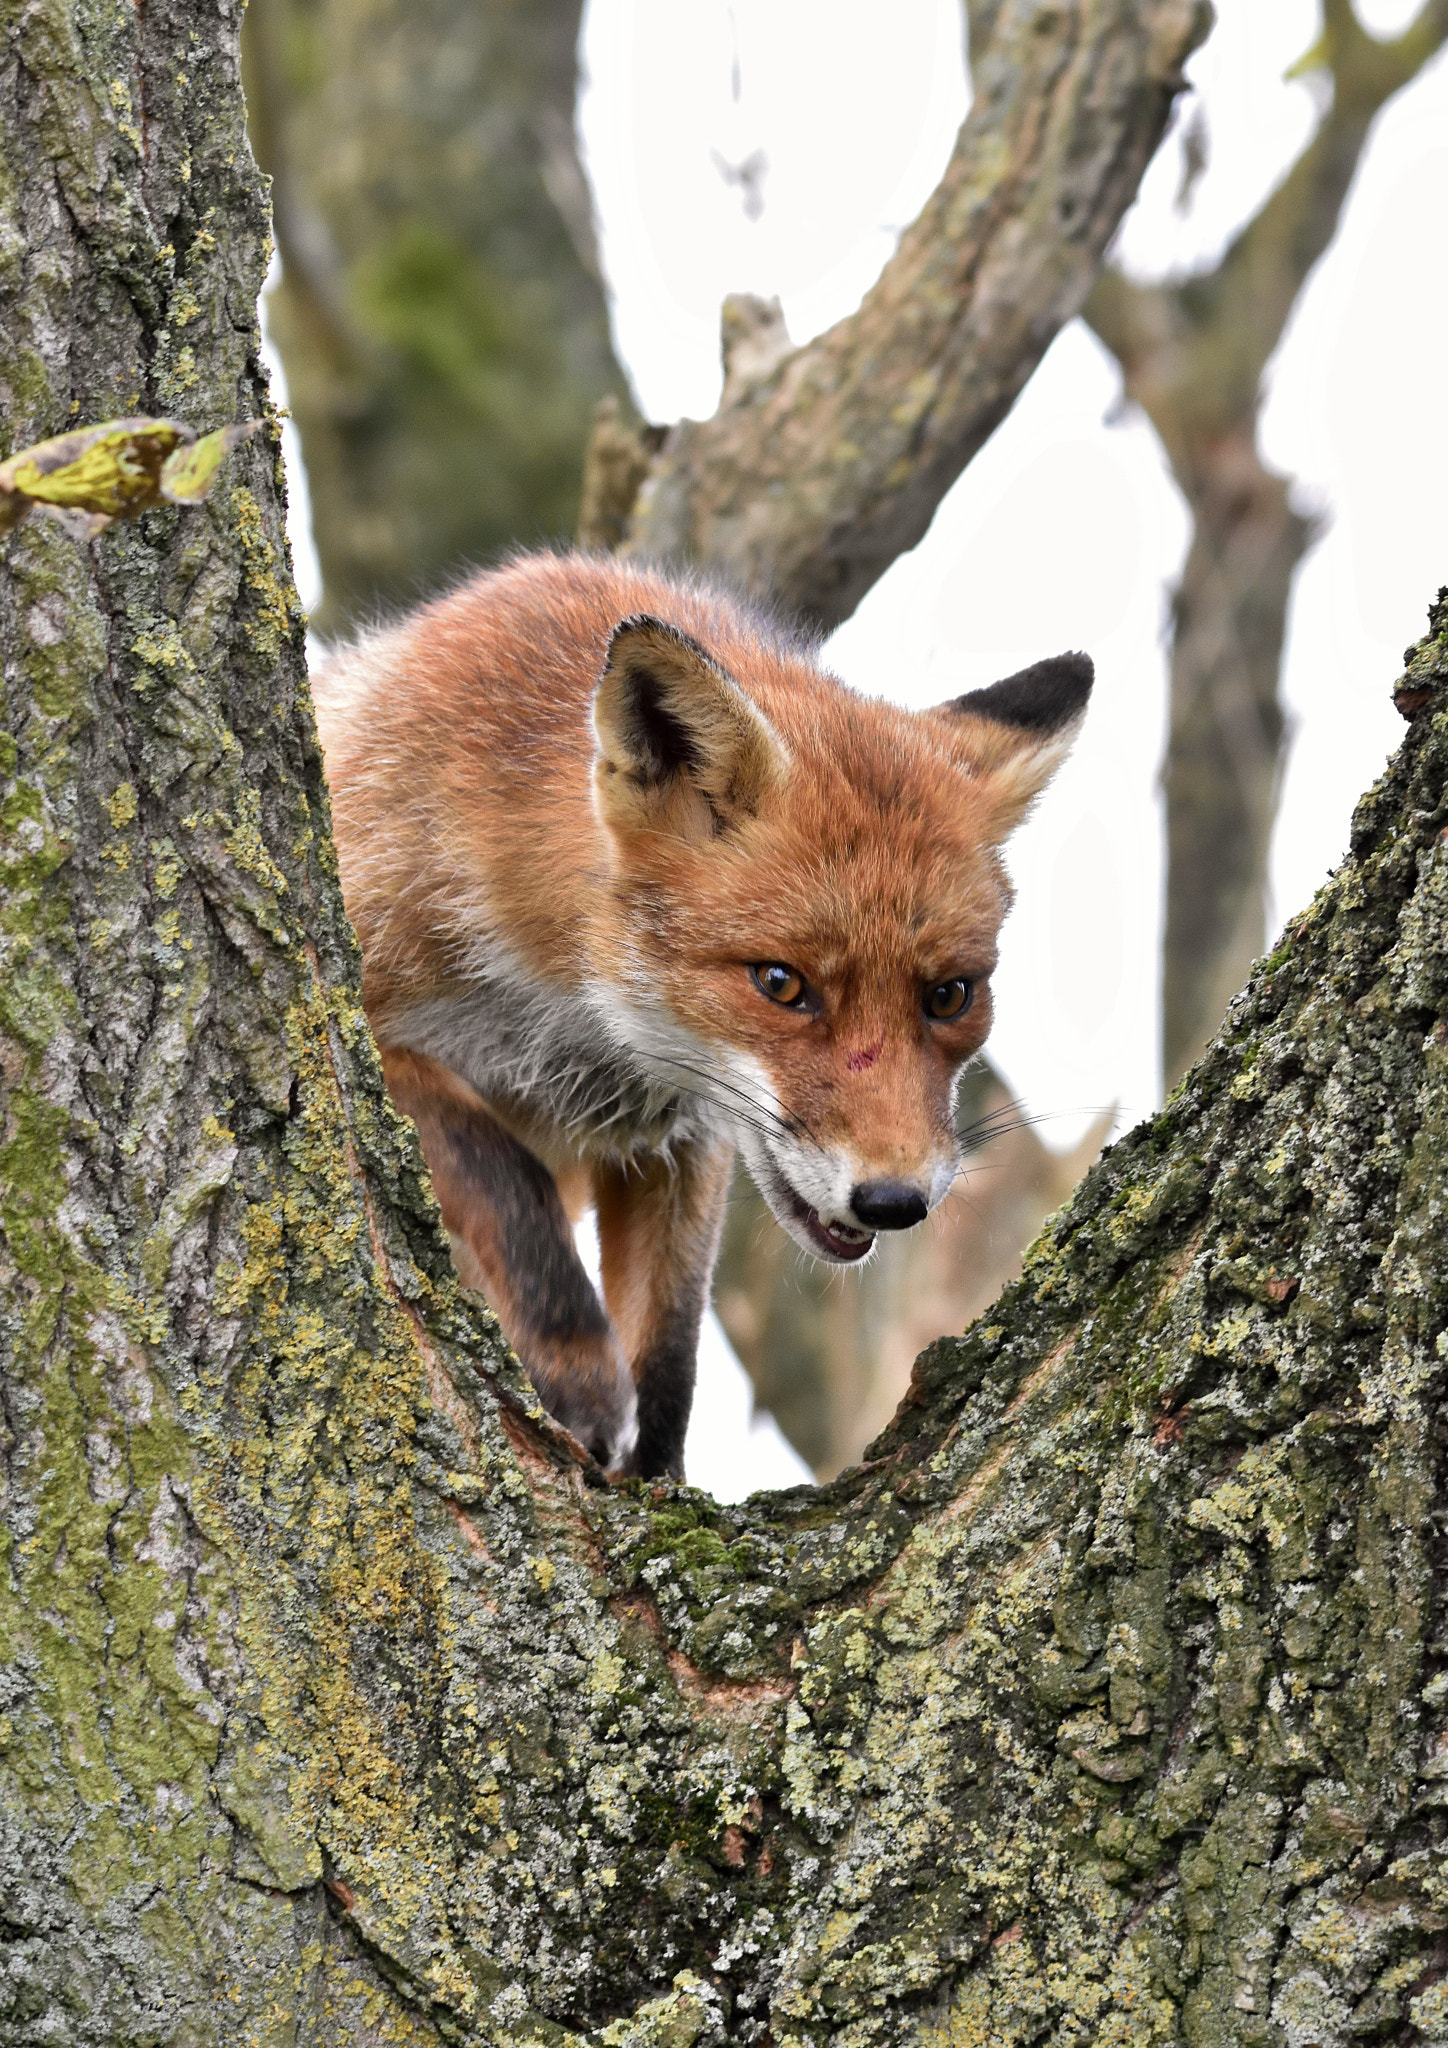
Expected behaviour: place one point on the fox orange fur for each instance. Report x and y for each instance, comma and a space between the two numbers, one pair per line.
637, 883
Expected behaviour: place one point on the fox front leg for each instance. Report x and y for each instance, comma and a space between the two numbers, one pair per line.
658, 1235
512, 1241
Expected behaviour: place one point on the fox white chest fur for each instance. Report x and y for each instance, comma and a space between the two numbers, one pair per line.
564, 1059
637, 884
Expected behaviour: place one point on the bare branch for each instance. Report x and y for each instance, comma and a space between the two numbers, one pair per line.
809, 482
1192, 353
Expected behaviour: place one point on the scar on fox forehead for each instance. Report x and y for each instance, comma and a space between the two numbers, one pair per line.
858, 1061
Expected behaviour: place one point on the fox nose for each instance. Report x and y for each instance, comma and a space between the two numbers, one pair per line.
888, 1204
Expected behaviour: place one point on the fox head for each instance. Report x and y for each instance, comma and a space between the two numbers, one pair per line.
805, 893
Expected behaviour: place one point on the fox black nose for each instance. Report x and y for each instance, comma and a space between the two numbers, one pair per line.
888, 1204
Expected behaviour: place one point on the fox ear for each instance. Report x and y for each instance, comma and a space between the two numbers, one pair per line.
1017, 732
679, 743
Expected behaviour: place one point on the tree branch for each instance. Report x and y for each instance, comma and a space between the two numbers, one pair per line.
1192, 354
808, 482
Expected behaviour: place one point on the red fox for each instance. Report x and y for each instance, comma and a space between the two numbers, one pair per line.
637, 883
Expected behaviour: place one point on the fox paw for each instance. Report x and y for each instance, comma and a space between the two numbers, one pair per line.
597, 1404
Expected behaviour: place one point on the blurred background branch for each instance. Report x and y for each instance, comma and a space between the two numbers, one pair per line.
1192, 355
440, 311
816, 472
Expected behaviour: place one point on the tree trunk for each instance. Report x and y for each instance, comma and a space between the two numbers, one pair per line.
344, 1702
1192, 354
1226, 733
440, 314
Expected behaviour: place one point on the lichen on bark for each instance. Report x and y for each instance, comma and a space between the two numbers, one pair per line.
343, 1700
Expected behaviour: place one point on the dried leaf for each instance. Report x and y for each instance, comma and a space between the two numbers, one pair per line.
113, 469
87, 478
188, 473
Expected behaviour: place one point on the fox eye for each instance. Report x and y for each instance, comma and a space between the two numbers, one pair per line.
780, 983
948, 999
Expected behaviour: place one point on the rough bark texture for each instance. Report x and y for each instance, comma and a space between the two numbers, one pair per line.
1192, 355
441, 314
341, 1703
819, 468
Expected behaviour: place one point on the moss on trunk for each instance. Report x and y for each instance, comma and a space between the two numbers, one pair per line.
342, 1703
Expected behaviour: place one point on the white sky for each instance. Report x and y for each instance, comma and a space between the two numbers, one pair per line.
1067, 529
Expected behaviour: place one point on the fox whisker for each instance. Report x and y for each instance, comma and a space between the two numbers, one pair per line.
718, 1081
999, 1123
758, 1115
729, 1109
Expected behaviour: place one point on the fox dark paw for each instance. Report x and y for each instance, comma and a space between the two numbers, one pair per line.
600, 1409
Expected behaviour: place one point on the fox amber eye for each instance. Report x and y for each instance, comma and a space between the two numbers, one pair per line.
947, 999
781, 984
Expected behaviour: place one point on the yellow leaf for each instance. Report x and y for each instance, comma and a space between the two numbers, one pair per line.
113, 471
110, 469
188, 473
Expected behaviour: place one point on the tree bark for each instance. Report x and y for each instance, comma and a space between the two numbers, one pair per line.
343, 1701
824, 464
441, 313
1192, 354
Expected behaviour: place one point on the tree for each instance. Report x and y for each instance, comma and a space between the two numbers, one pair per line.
1192, 354
343, 1700
440, 311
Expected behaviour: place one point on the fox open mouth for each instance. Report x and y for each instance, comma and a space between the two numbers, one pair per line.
839, 1242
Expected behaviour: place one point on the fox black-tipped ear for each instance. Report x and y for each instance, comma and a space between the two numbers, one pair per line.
1040, 699
679, 743
1017, 732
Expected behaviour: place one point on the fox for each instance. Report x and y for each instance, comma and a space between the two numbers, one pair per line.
639, 885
